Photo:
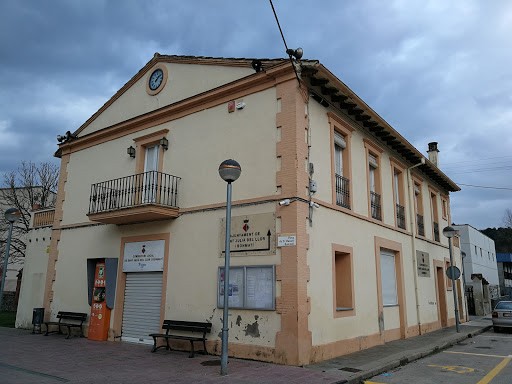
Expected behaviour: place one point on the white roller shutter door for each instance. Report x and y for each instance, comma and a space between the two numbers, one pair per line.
141, 312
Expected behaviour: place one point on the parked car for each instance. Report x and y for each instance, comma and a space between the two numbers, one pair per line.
502, 315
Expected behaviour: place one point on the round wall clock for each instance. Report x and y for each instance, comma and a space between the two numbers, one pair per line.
156, 80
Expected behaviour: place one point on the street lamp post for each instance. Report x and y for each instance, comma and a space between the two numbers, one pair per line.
11, 215
229, 171
449, 232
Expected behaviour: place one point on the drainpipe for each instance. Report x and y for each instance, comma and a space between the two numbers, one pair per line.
410, 187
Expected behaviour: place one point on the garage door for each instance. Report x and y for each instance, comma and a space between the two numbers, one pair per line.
141, 312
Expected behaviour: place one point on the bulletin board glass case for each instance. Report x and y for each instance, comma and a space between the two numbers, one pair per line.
250, 287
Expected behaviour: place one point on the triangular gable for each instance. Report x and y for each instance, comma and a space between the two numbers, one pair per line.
186, 76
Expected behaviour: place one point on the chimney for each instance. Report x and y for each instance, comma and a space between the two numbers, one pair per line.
432, 153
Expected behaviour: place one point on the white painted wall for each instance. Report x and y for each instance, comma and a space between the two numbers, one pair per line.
184, 80
198, 143
34, 275
483, 259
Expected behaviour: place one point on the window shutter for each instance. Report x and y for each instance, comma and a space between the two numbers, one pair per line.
388, 278
340, 140
372, 160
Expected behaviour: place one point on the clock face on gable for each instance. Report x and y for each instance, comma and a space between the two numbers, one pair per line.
156, 80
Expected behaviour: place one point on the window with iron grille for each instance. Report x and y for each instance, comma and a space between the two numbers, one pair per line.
342, 187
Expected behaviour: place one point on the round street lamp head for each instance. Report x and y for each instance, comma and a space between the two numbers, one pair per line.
449, 232
230, 170
12, 215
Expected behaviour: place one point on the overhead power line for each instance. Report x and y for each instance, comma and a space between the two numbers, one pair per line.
485, 186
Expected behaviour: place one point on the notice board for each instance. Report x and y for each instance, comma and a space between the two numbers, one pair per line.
250, 287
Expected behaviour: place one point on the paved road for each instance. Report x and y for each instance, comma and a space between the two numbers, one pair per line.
484, 359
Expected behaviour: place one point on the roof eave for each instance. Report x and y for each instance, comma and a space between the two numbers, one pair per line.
326, 86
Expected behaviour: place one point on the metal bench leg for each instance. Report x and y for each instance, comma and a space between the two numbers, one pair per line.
204, 346
154, 344
168, 346
69, 332
191, 349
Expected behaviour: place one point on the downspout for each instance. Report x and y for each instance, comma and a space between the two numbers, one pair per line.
410, 188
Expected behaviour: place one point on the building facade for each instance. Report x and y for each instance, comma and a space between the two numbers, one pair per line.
336, 218
480, 268
504, 261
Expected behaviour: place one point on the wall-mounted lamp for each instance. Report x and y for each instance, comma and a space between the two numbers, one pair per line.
164, 143
131, 151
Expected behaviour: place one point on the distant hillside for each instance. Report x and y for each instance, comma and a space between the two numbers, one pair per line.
502, 238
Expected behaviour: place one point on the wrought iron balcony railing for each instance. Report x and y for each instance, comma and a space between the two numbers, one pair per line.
148, 188
342, 191
436, 231
421, 225
375, 205
400, 216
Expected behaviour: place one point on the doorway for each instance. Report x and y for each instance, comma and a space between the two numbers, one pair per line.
442, 311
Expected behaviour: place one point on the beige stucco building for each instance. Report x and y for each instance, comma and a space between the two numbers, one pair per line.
336, 218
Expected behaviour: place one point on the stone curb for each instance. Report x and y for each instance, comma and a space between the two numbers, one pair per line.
406, 359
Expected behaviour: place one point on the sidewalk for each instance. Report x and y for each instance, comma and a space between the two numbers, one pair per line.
359, 366
28, 358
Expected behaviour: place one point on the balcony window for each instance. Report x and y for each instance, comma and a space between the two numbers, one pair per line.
373, 153
342, 191
420, 225
398, 194
340, 155
375, 206
436, 232
400, 216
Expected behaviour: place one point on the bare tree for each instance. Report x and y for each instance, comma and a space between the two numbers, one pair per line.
28, 188
507, 218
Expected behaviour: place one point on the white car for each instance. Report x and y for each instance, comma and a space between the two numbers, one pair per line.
502, 315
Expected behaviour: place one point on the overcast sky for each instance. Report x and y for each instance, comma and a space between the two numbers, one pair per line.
435, 70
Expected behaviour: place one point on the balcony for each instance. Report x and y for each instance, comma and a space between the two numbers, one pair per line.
375, 205
43, 218
400, 216
436, 231
342, 191
138, 198
421, 225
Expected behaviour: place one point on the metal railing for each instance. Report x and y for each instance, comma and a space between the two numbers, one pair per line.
342, 191
436, 231
152, 187
420, 225
375, 205
400, 216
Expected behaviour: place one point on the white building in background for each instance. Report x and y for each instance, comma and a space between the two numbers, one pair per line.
480, 269
480, 254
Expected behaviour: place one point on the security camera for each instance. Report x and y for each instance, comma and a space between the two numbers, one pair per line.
61, 138
284, 202
313, 204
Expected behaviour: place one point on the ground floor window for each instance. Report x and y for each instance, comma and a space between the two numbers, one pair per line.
388, 278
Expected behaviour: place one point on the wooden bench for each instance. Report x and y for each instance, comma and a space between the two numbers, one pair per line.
175, 329
69, 320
